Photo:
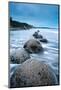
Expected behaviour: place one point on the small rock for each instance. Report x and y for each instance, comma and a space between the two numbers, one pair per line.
37, 35
33, 73
43, 40
33, 46
19, 56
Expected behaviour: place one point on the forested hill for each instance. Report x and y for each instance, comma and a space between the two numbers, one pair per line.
21, 25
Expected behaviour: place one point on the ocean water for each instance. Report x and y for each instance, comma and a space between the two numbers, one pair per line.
50, 54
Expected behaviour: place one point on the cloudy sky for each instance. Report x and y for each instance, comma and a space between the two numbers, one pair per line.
40, 15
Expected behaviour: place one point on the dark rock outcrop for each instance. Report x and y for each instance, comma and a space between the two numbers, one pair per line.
44, 40
38, 36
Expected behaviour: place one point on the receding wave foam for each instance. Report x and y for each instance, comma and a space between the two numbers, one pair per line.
50, 54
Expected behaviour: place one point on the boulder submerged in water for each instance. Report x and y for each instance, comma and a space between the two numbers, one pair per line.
33, 73
37, 35
33, 46
44, 40
19, 56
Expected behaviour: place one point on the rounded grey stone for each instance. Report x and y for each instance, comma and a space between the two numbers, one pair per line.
33, 46
33, 73
19, 56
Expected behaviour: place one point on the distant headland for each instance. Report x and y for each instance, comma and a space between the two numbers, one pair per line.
20, 25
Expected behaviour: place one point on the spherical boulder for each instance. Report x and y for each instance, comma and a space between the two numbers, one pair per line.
33, 73
33, 46
19, 56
